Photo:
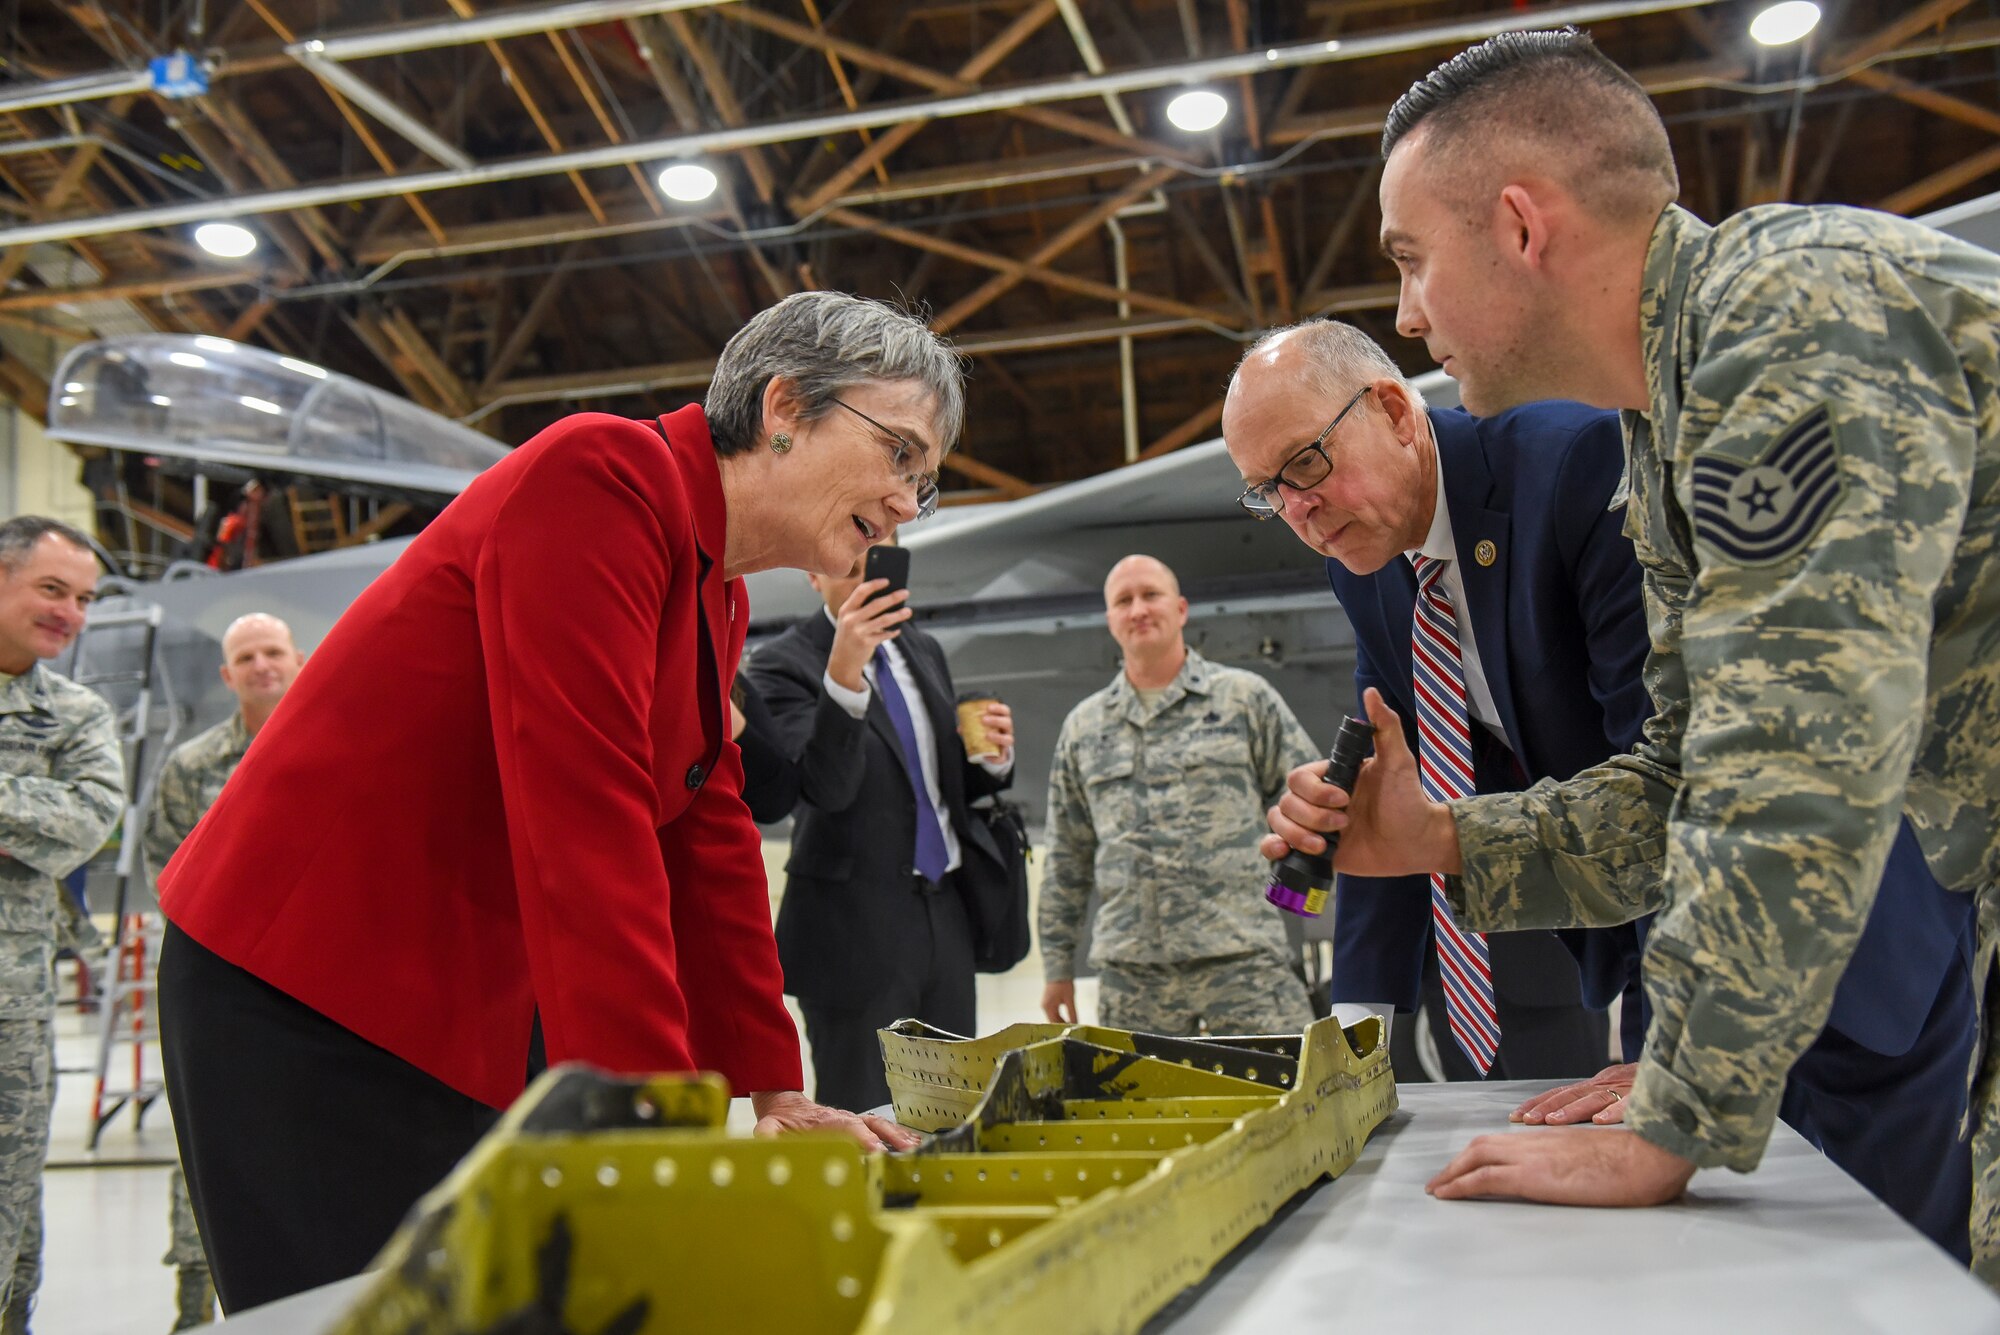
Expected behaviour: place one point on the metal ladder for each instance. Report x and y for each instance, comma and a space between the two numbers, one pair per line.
317, 525
126, 1015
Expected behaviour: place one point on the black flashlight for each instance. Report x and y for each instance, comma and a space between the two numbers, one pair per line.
1301, 882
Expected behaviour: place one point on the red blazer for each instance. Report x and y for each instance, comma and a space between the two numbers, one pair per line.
504, 784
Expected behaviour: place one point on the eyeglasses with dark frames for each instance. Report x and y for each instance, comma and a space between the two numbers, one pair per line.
1302, 472
925, 485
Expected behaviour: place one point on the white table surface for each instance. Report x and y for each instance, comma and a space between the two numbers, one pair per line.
1795, 1246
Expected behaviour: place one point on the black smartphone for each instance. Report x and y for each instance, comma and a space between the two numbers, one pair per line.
890, 563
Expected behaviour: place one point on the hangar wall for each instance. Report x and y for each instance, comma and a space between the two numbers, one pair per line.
38, 475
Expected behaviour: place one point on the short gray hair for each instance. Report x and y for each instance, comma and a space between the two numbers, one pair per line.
19, 535
824, 342
1340, 358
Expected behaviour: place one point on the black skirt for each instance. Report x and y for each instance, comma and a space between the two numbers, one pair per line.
305, 1145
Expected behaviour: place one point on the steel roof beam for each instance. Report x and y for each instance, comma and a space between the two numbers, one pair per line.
807, 128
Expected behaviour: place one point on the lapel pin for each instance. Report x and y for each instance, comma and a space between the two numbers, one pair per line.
1485, 553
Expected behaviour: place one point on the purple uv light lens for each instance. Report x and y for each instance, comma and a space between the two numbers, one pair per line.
1288, 899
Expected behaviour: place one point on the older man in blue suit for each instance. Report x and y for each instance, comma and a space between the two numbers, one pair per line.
1496, 606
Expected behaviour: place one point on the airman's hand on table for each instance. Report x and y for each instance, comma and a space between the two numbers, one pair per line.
1600, 1099
1388, 827
782, 1111
1574, 1167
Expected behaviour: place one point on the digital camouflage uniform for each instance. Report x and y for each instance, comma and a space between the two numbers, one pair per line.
62, 784
1815, 498
1160, 810
189, 782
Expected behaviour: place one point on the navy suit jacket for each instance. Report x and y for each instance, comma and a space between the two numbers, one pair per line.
1561, 630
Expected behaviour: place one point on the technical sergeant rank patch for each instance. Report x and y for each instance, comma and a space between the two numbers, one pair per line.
1761, 512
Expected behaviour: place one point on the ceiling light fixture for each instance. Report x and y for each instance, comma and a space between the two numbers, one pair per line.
1783, 24
1197, 109
688, 182
226, 239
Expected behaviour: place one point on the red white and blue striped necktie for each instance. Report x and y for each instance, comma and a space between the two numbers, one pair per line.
1444, 767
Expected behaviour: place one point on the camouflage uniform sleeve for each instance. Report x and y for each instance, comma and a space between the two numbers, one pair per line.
1825, 458
1070, 866
1806, 644
1279, 744
170, 819
54, 822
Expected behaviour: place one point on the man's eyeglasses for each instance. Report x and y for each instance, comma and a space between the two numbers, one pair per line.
1302, 472
925, 485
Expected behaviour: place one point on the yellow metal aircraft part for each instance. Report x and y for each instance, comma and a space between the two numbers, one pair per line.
1093, 1179
937, 1079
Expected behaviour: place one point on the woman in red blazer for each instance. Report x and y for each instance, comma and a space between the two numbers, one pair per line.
497, 820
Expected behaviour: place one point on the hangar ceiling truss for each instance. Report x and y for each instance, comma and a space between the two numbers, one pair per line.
457, 198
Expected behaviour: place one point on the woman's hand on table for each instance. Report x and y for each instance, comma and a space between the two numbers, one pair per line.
782, 1111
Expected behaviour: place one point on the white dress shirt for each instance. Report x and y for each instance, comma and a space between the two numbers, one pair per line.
856, 705
1438, 545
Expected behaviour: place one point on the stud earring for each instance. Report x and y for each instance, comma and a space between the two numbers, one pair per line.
781, 442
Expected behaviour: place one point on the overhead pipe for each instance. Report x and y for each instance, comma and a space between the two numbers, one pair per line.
15, 147
1128, 382
385, 109
1788, 157
1128, 376
398, 40
710, 221
1094, 165
322, 56
1086, 46
490, 27
730, 139
691, 376
78, 88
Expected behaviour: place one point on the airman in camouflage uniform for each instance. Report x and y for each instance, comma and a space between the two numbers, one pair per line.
259, 664
1156, 799
189, 782
1819, 667
62, 781
1813, 462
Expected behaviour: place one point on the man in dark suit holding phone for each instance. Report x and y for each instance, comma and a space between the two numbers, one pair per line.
875, 925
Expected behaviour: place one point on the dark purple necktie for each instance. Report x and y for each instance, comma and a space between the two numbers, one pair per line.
931, 857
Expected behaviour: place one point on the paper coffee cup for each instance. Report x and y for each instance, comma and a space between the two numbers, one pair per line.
972, 726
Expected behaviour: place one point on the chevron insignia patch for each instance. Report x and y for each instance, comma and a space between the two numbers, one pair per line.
1756, 513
